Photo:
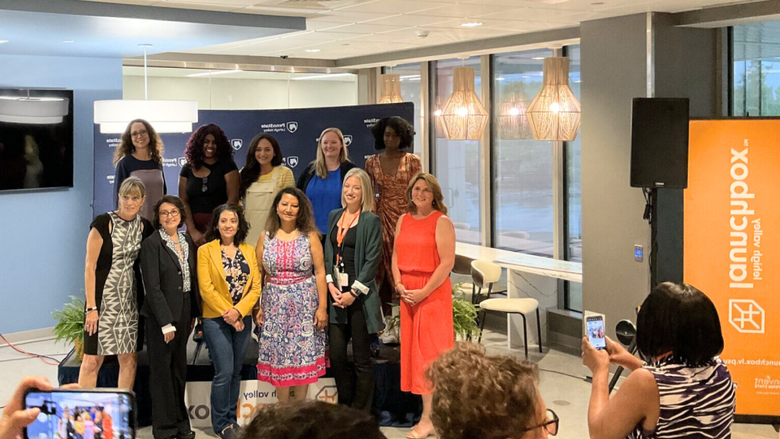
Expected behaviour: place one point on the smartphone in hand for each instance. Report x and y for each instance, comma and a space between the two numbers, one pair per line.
595, 329
82, 414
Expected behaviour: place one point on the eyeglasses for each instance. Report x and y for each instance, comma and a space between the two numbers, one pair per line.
139, 133
205, 186
551, 424
174, 212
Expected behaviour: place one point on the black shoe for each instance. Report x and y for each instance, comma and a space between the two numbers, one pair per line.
228, 433
187, 434
197, 334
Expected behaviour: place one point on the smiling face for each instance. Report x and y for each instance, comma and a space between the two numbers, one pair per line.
130, 204
331, 145
422, 196
228, 225
169, 216
353, 192
392, 139
139, 135
209, 147
287, 209
264, 153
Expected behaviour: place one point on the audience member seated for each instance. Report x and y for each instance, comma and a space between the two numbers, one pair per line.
311, 420
483, 396
683, 390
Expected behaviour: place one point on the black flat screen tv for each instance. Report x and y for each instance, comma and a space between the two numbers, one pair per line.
36, 139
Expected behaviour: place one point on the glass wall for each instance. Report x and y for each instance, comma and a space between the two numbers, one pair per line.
456, 162
573, 205
522, 167
756, 86
411, 90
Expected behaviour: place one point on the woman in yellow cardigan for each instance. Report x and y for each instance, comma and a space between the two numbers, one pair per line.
230, 286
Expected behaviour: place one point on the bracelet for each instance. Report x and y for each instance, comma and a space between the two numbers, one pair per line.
352, 293
94, 308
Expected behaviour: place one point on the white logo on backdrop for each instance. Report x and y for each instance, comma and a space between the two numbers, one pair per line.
292, 126
347, 140
370, 122
174, 162
747, 316
182, 161
291, 161
110, 178
236, 143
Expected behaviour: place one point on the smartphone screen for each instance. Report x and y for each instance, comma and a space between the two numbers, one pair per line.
595, 328
79, 414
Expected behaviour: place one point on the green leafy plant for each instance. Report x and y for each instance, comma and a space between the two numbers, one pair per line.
70, 324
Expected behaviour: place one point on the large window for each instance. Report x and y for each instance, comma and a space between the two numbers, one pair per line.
522, 167
410, 91
756, 86
573, 205
456, 162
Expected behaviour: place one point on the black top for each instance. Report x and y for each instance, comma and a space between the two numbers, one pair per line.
207, 193
347, 252
308, 174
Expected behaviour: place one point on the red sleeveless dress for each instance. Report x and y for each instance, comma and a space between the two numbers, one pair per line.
426, 328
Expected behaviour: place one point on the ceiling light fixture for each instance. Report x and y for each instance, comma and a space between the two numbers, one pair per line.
213, 72
463, 114
391, 89
37, 110
471, 24
313, 50
166, 116
310, 78
512, 119
554, 114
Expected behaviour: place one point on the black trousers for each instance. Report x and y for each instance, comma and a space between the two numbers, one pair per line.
355, 387
168, 375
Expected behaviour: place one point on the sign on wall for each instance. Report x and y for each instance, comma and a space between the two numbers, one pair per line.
297, 131
732, 248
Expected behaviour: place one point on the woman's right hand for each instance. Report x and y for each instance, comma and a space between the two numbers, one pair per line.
620, 356
335, 293
258, 315
91, 323
239, 325
400, 290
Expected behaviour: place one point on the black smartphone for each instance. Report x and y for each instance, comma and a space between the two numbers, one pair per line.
81, 414
594, 325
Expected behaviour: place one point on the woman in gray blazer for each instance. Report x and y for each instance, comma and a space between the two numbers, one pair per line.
353, 247
169, 272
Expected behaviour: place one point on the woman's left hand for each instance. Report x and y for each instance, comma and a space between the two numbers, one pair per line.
231, 316
594, 359
347, 299
414, 297
321, 318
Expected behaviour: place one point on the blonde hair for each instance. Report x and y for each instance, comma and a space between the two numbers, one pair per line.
319, 163
367, 189
433, 184
132, 185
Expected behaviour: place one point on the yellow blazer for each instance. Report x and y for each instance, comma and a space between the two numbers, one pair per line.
213, 286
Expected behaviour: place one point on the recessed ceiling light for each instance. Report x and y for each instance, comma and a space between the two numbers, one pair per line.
471, 24
312, 50
68, 41
3, 41
537, 58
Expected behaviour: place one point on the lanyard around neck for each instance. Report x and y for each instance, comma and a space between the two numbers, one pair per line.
342, 232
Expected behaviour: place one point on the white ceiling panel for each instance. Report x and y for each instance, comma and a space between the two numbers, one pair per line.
395, 7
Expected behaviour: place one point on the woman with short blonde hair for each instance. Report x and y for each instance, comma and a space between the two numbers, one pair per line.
367, 203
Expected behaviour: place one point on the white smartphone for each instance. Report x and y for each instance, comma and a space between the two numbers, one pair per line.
595, 330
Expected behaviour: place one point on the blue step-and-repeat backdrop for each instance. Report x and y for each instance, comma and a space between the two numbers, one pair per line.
296, 130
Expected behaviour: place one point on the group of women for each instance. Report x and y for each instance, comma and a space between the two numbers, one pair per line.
311, 265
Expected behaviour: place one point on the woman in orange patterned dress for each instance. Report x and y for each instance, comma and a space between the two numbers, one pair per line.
422, 260
390, 172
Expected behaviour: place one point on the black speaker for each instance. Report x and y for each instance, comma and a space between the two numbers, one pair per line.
659, 143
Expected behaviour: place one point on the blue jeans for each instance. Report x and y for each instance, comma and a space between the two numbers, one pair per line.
228, 349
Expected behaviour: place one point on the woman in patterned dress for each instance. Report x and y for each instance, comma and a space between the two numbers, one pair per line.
390, 172
293, 313
683, 391
230, 285
111, 284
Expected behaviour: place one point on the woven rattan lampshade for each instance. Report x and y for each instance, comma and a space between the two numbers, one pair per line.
391, 89
512, 120
554, 114
463, 115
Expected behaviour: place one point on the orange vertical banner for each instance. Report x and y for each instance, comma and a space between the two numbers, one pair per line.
732, 247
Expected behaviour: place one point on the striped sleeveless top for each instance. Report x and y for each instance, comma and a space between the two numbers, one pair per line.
696, 402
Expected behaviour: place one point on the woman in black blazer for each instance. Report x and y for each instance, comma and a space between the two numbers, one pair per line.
169, 272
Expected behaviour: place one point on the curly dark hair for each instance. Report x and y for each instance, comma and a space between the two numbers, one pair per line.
212, 232
251, 170
305, 221
311, 420
404, 129
477, 395
193, 152
176, 201
126, 146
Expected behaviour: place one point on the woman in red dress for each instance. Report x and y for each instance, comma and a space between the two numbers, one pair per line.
423, 257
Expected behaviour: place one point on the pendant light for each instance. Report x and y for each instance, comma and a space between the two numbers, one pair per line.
391, 89
463, 114
36, 110
512, 120
554, 114
165, 116
441, 130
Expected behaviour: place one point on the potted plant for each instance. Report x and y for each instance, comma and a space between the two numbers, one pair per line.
70, 324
